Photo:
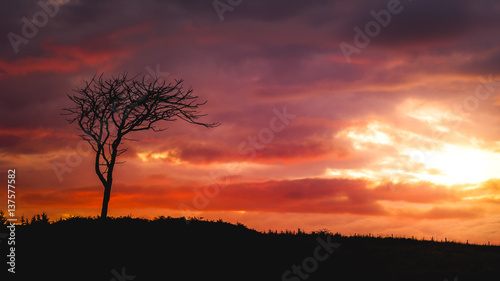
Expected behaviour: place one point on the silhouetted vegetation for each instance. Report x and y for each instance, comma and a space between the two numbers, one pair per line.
3, 218
39, 219
166, 248
107, 111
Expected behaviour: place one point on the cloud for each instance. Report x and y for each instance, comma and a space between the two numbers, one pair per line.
359, 150
322, 196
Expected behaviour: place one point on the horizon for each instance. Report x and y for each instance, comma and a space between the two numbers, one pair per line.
299, 231
378, 117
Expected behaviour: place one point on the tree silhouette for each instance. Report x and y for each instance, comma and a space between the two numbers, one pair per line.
108, 110
3, 218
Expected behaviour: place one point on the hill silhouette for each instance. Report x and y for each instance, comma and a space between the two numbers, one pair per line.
126, 248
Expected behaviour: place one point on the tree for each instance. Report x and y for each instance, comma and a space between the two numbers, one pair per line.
106, 111
39, 219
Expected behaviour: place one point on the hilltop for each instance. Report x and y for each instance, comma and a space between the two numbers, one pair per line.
123, 248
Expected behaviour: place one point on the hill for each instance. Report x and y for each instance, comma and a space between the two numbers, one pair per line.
178, 249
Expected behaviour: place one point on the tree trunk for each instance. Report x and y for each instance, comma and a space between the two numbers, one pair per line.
105, 201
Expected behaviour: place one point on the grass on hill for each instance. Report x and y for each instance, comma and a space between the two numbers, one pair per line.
89, 248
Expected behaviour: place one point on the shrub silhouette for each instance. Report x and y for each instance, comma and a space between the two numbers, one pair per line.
88, 248
3, 218
39, 219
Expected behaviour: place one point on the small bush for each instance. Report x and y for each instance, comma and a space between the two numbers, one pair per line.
3, 218
39, 219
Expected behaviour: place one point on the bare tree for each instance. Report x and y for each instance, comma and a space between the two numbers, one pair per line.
108, 110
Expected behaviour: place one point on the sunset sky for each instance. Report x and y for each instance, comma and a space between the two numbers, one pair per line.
397, 133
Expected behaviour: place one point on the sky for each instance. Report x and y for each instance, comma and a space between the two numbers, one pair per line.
366, 117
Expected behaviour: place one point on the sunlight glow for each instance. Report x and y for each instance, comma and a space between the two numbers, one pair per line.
169, 155
426, 113
419, 157
351, 173
459, 165
372, 133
